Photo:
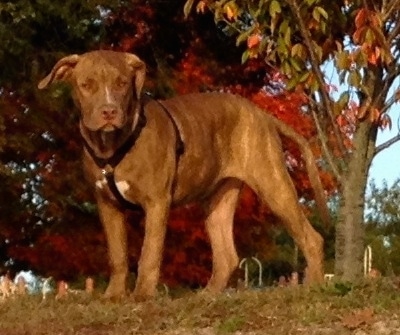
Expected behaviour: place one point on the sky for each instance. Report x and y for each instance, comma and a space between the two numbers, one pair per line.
386, 165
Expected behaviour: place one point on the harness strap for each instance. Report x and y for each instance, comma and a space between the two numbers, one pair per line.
180, 145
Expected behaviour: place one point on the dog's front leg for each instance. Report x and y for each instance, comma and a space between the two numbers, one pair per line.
113, 221
152, 249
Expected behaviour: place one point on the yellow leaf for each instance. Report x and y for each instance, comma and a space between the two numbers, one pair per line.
231, 11
187, 7
322, 12
374, 115
253, 53
201, 7
316, 15
299, 50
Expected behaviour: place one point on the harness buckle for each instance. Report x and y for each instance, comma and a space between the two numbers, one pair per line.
107, 170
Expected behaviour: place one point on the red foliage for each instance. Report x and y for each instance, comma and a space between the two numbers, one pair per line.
65, 256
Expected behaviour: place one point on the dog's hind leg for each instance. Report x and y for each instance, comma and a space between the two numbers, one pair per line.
278, 192
219, 226
272, 182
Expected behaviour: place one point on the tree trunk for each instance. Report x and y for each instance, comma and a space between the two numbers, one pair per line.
349, 247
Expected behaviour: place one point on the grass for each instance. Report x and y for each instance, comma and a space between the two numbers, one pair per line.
366, 308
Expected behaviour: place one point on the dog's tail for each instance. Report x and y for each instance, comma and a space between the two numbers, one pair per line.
311, 167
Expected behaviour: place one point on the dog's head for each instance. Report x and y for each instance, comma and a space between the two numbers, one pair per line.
106, 86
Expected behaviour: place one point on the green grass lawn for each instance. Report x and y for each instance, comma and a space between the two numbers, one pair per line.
371, 307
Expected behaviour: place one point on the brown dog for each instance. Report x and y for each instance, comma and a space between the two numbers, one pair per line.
133, 153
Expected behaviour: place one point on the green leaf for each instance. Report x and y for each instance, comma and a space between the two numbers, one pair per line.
245, 56
295, 64
311, 2
316, 14
342, 60
274, 8
322, 12
282, 49
343, 101
323, 26
342, 288
243, 36
291, 84
354, 78
304, 77
314, 86
287, 68
287, 36
283, 26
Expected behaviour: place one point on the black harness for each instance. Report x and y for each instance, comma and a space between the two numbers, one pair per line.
108, 165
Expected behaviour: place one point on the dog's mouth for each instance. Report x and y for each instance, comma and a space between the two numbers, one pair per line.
106, 127
109, 127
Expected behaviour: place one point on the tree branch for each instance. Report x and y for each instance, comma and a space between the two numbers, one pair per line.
395, 31
393, 72
386, 144
389, 8
325, 149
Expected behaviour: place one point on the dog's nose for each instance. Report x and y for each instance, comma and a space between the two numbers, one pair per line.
109, 113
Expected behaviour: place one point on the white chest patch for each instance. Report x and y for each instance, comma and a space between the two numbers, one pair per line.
122, 186
101, 183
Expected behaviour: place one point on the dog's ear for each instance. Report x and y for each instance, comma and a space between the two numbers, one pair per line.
139, 68
60, 72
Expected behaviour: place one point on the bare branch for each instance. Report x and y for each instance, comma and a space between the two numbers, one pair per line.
393, 73
325, 149
386, 144
389, 8
393, 99
383, 7
394, 32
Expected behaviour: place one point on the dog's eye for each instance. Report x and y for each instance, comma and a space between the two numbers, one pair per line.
121, 83
86, 85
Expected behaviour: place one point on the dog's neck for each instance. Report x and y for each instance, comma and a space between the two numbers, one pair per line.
104, 144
